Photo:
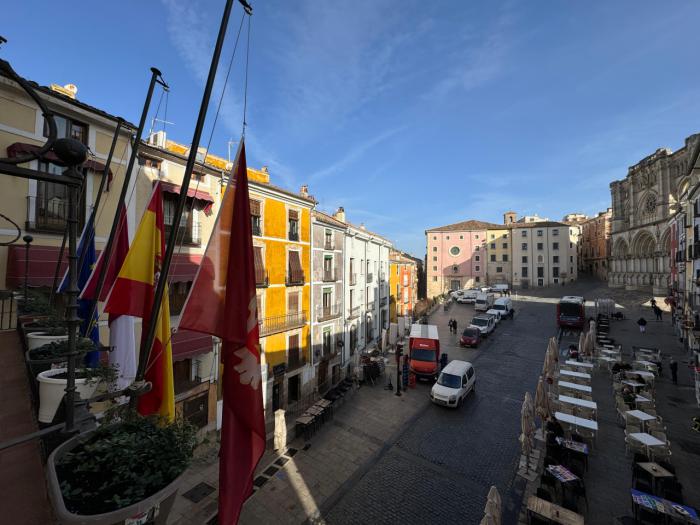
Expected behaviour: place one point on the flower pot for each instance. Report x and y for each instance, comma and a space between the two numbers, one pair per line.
51, 392
37, 339
157, 507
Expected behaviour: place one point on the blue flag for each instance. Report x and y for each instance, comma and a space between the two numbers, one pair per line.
87, 244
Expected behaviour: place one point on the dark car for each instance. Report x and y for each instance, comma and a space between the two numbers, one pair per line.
470, 337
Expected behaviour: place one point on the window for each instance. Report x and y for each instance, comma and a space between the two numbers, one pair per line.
255, 221
434, 279
493, 245
293, 220
461, 237
493, 236
476, 248
555, 271
524, 233
571, 269
539, 245
539, 233
499, 269
477, 268
571, 245
327, 299
295, 272
326, 342
150, 163
555, 233
260, 273
523, 246
477, 279
434, 248
505, 245
178, 295
493, 257
540, 272
524, 259
293, 303
505, 257
571, 258
540, 259
477, 258
435, 237
189, 225
434, 258
328, 268
555, 259
454, 251
447, 237
505, 235
523, 271
67, 128
555, 246
435, 268
328, 240
476, 236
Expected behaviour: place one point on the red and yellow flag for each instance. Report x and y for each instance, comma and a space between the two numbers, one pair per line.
133, 293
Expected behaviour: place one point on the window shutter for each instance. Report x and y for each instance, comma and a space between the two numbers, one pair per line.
293, 342
255, 207
294, 214
295, 264
259, 265
293, 303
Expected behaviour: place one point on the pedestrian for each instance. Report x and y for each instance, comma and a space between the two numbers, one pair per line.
673, 365
454, 325
653, 302
642, 325
657, 313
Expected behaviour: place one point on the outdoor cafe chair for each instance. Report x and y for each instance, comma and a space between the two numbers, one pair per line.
659, 435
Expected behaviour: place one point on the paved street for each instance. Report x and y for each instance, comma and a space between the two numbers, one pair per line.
442, 465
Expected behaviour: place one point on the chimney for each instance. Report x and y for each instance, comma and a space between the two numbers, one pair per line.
265, 170
340, 214
69, 90
304, 191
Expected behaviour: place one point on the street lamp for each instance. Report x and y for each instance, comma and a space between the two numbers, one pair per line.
27, 240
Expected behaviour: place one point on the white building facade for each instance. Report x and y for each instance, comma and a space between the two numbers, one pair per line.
544, 254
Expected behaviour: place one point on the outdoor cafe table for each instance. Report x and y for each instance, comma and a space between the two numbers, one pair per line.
578, 363
553, 512
646, 363
574, 386
579, 402
576, 421
655, 470
647, 440
610, 352
641, 399
663, 506
562, 473
642, 373
633, 384
573, 445
641, 416
570, 373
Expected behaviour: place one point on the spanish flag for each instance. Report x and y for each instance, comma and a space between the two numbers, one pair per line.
133, 293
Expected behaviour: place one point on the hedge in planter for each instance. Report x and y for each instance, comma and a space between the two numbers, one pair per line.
41, 358
123, 463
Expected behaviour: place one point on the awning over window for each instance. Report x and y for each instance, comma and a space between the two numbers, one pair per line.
42, 266
188, 344
206, 201
22, 148
255, 207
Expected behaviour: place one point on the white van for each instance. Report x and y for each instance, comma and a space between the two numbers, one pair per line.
456, 380
502, 308
483, 302
500, 288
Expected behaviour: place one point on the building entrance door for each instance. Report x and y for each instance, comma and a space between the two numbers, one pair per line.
455, 285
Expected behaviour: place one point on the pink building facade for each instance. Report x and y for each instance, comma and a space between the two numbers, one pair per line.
456, 256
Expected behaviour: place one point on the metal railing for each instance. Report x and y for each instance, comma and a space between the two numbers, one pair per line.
293, 236
295, 277
188, 234
328, 245
257, 230
47, 214
325, 313
280, 323
329, 276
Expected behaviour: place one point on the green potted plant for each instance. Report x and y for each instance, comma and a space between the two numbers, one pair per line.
44, 357
123, 472
52, 386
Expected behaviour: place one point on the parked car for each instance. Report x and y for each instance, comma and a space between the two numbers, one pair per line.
483, 301
457, 294
484, 323
455, 382
495, 313
501, 288
503, 307
470, 337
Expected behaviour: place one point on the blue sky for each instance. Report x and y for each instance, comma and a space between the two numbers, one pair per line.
410, 114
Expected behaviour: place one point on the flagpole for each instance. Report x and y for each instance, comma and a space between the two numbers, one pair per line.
156, 76
147, 342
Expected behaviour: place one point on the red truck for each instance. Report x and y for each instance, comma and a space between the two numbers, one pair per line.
424, 351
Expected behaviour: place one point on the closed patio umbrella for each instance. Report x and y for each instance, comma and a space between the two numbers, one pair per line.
581, 343
527, 428
493, 511
541, 400
553, 349
488, 520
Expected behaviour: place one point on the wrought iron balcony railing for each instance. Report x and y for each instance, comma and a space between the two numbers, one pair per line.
326, 313
295, 278
353, 279
47, 214
262, 281
281, 323
328, 245
354, 312
329, 276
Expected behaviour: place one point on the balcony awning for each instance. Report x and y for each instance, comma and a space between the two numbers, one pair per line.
22, 148
202, 198
188, 344
43, 259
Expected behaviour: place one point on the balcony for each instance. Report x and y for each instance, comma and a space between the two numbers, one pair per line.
188, 234
353, 279
295, 278
326, 313
328, 244
354, 312
47, 215
262, 281
257, 230
281, 323
329, 276
382, 301
370, 305
382, 277
293, 236
370, 277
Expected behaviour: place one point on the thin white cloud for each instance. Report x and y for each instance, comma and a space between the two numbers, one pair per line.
353, 155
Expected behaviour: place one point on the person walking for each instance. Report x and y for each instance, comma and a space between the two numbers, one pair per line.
673, 365
657, 312
642, 325
653, 302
